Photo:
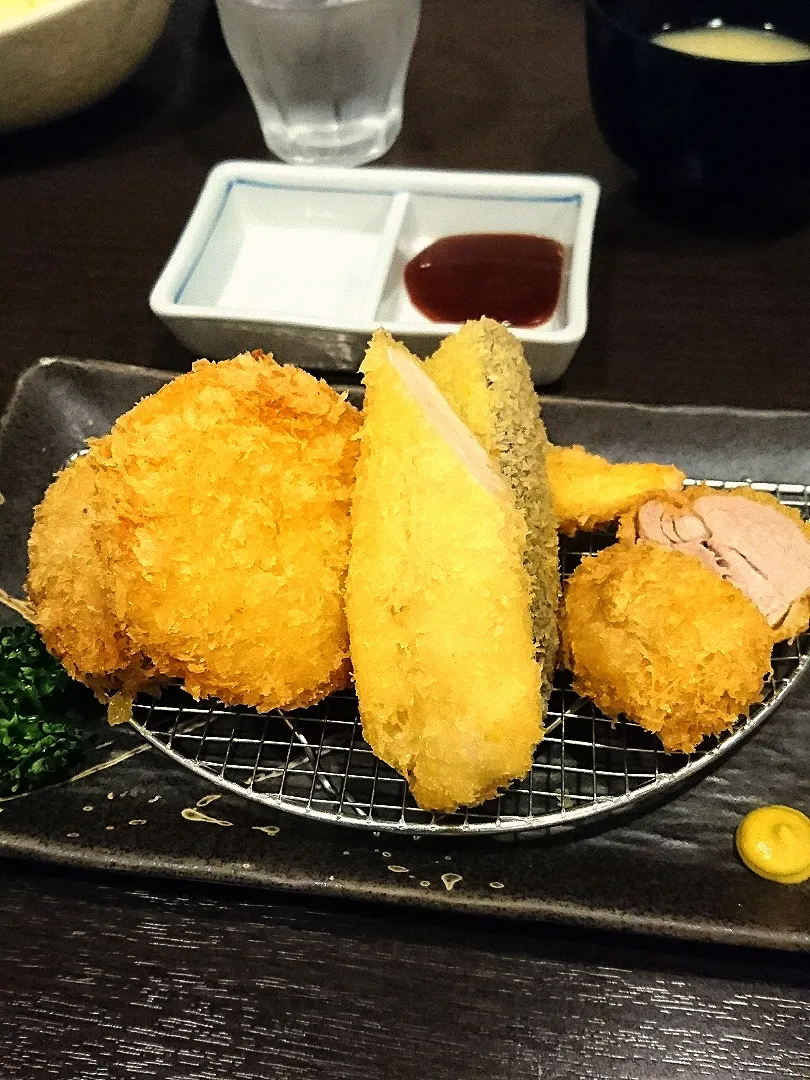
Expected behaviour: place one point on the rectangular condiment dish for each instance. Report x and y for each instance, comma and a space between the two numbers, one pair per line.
281, 256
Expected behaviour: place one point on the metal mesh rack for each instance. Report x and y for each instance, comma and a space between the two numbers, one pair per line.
315, 763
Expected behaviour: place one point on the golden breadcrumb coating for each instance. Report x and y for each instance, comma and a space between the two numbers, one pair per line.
797, 619
589, 493
222, 537
70, 587
437, 595
653, 634
482, 372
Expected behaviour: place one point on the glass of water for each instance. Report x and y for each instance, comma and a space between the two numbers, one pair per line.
326, 77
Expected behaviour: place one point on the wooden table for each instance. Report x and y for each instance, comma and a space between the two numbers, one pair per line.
102, 977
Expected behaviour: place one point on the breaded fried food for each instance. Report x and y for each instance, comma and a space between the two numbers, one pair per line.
230, 533
219, 536
655, 635
483, 374
71, 588
590, 493
437, 595
747, 537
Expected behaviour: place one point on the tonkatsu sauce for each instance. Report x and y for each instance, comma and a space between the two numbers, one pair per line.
512, 277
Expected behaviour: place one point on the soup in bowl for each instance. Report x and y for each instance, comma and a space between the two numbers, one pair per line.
708, 98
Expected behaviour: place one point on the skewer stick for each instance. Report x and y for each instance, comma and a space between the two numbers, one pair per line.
22, 607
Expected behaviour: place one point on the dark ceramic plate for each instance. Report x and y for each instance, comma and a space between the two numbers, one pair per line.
669, 869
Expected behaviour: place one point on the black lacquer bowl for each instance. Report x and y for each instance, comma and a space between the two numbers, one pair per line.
724, 133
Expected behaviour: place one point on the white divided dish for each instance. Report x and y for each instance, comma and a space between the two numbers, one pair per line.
306, 262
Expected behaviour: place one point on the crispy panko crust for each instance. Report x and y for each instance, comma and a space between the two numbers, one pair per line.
223, 535
438, 600
797, 620
70, 588
589, 492
482, 372
653, 634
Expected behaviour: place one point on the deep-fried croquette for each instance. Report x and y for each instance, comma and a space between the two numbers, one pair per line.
653, 634
482, 372
589, 493
437, 595
222, 537
747, 537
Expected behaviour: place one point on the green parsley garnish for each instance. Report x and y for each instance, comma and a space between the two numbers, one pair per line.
41, 732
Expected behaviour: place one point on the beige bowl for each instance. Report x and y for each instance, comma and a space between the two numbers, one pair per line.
69, 53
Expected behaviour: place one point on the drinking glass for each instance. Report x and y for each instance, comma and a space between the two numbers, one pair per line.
326, 77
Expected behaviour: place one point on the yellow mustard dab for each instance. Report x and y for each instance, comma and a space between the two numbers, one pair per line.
774, 842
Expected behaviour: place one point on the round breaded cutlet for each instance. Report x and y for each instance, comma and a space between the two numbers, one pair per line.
227, 536
654, 635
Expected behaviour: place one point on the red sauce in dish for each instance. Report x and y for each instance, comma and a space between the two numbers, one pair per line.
512, 277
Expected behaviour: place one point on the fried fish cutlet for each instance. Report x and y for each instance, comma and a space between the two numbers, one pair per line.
656, 636
483, 374
589, 492
437, 595
746, 536
219, 538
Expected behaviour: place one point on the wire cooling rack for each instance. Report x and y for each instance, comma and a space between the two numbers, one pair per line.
314, 762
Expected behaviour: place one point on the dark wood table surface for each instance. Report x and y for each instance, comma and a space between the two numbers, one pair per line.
102, 977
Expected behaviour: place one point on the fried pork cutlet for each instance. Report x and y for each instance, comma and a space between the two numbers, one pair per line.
218, 541
482, 372
657, 636
437, 595
745, 536
589, 493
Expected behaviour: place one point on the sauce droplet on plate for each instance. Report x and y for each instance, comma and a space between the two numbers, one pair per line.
191, 813
512, 277
206, 800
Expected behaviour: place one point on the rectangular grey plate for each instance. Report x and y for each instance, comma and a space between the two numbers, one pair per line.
670, 869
